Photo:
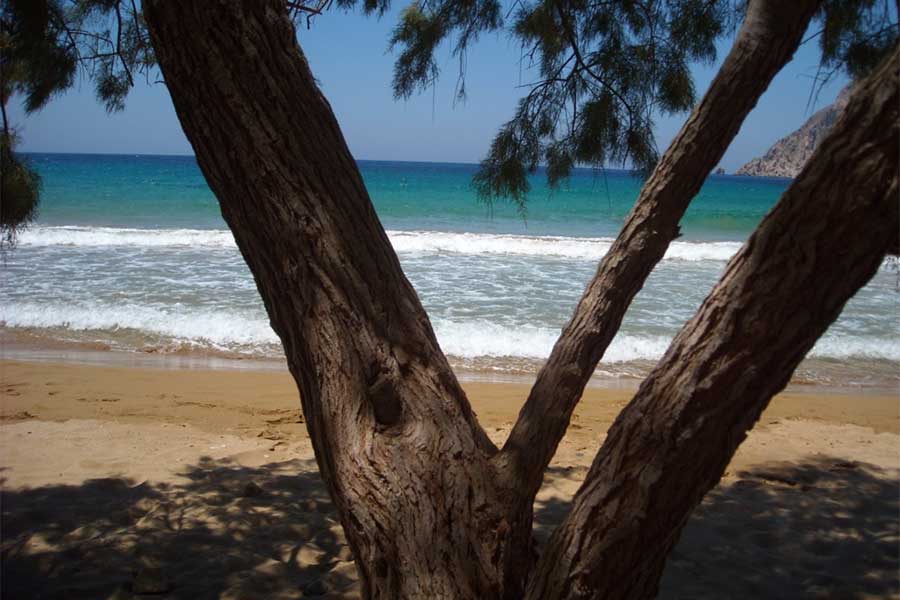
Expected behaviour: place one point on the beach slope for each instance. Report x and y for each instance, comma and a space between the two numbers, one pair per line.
202, 484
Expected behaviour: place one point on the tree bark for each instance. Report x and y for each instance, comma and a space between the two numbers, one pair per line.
823, 241
404, 458
768, 38
430, 509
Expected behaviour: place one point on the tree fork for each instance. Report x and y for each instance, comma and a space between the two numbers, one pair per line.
402, 455
823, 241
425, 505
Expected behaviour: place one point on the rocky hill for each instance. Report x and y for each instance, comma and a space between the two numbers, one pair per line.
790, 153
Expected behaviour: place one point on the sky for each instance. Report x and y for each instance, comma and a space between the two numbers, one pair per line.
348, 54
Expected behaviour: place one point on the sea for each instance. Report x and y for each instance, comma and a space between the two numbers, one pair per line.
130, 260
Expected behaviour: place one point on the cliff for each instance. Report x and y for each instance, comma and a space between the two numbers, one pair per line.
790, 153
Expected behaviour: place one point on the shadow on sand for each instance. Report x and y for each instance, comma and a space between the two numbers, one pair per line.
823, 528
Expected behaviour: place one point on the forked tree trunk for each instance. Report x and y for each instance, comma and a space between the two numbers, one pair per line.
397, 444
427, 502
823, 241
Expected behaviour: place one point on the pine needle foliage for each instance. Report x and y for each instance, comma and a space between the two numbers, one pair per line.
44, 45
601, 71
856, 35
20, 187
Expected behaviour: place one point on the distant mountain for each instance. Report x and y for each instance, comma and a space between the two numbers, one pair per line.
790, 153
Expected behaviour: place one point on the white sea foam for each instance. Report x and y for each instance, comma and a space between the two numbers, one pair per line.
404, 242
249, 332
435, 242
219, 330
844, 347
477, 339
116, 236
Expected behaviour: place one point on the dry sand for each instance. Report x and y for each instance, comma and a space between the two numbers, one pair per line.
202, 484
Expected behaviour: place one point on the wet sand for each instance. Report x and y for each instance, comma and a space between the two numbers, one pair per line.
117, 480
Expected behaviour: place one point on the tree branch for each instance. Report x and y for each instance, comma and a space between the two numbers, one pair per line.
573, 43
6, 134
119, 43
823, 241
768, 38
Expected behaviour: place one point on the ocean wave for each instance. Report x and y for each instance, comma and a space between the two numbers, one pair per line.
846, 347
216, 329
404, 242
479, 339
436, 242
78, 236
248, 332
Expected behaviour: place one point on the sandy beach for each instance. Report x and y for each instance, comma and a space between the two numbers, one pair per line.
119, 481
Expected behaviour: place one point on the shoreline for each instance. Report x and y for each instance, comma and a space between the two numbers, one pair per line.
19, 347
159, 393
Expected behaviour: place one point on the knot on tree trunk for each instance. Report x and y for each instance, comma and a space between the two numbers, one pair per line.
387, 406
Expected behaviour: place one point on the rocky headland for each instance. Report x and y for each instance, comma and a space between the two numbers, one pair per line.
788, 155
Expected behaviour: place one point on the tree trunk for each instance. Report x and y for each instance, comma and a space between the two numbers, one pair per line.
430, 509
404, 458
823, 241
768, 38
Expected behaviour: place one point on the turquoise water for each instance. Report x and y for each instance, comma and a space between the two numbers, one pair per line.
170, 192
130, 254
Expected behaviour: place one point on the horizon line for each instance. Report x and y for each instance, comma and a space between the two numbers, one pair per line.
384, 160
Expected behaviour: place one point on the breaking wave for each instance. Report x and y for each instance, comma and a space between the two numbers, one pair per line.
248, 332
404, 242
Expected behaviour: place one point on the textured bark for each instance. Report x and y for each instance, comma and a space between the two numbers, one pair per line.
826, 237
396, 441
429, 507
770, 34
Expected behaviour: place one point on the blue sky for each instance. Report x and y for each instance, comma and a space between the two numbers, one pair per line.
348, 54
